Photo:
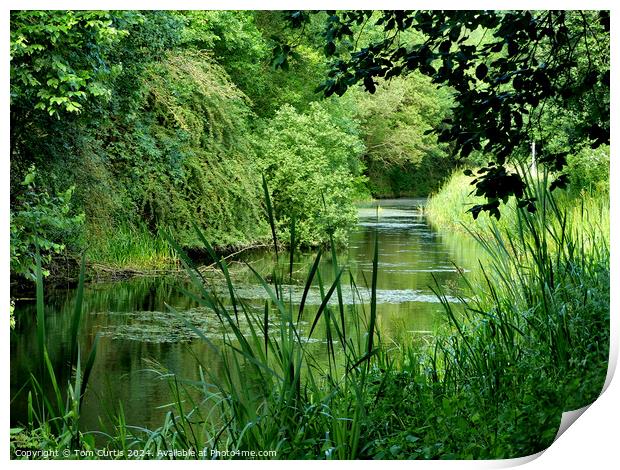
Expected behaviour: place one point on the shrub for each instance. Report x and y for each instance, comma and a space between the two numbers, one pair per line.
184, 155
311, 162
403, 157
589, 169
40, 221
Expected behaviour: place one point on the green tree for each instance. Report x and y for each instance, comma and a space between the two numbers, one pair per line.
525, 64
242, 41
311, 163
41, 222
184, 154
59, 67
58, 58
402, 156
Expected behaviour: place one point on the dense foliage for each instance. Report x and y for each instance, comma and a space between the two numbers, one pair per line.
58, 59
195, 159
162, 119
402, 157
515, 75
38, 222
311, 161
147, 137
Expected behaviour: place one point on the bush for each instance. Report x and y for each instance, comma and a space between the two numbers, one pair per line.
41, 221
589, 170
184, 155
403, 157
311, 162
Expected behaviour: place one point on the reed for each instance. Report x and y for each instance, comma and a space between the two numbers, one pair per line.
528, 340
134, 247
54, 407
273, 394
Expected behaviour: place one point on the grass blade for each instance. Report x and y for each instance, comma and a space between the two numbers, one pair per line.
272, 222
77, 313
88, 367
338, 289
221, 263
311, 274
325, 301
40, 304
291, 251
373, 298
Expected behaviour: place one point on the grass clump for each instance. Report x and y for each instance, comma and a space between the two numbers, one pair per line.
131, 247
54, 405
272, 393
530, 343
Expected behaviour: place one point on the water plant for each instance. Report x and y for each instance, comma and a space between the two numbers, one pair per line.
530, 342
53, 406
527, 341
272, 393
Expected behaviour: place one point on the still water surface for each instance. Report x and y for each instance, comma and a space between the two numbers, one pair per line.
137, 329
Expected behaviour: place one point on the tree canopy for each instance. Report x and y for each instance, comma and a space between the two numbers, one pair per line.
513, 75
159, 117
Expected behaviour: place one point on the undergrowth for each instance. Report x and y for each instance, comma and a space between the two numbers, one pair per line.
528, 341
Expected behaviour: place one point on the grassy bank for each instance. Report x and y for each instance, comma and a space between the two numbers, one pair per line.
528, 341
131, 247
447, 209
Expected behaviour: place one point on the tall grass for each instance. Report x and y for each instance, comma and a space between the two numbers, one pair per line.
133, 247
528, 341
448, 208
54, 408
274, 394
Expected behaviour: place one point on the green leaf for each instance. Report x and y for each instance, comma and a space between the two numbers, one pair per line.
29, 178
330, 48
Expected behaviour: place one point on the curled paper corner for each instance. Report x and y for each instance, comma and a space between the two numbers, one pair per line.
517, 461
568, 418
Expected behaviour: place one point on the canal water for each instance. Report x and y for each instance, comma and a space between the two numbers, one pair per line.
140, 337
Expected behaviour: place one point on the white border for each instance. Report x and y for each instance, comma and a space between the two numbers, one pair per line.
590, 442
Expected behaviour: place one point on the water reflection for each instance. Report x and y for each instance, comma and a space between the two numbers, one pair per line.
140, 334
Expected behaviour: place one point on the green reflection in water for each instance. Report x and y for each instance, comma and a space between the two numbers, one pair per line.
138, 330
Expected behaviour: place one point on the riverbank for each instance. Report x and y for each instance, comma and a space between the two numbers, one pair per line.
528, 340
530, 343
65, 269
448, 207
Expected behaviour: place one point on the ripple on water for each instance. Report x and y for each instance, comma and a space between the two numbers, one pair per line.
349, 296
391, 225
